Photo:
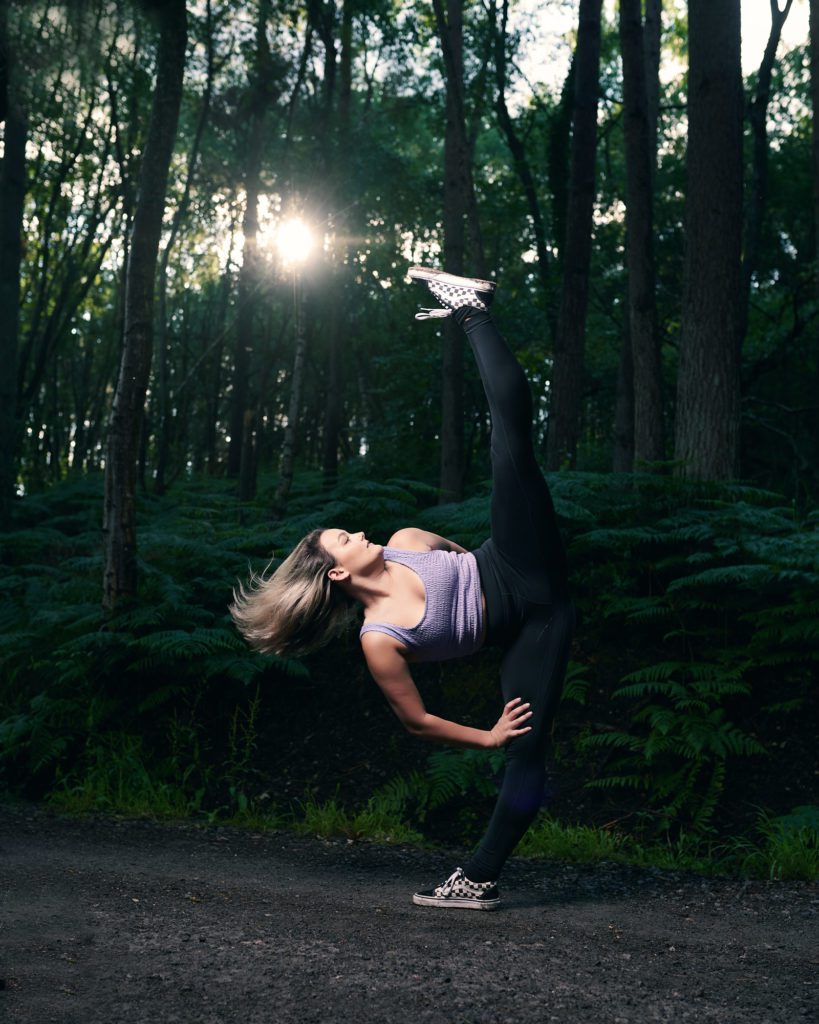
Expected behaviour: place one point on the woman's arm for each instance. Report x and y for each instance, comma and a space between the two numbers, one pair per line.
413, 539
390, 670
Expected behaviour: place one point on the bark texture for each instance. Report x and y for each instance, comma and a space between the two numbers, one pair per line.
12, 192
119, 523
708, 385
642, 307
567, 374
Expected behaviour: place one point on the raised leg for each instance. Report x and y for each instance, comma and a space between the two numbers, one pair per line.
523, 521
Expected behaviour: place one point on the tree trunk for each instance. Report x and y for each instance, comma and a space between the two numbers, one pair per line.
708, 385
164, 398
337, 147
334, 399
814, 94
567, 373
652, 37
642, 308
261, 93
456, 195
758, 199
119, 522
246, 299
296, 383
623, 459
12, 192
517, 150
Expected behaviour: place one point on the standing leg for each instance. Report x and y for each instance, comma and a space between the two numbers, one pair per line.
533, 668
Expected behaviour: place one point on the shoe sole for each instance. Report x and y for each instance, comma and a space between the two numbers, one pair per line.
426, 274
455, 902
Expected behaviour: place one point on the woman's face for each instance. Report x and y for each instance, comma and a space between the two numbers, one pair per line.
354, 555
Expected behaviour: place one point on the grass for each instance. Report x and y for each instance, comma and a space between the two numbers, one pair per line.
374, 822
117, 779
785, 852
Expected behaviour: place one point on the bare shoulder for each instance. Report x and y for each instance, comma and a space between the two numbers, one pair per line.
413, 539
383, 652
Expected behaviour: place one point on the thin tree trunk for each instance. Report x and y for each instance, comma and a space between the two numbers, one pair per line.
296, 384
518, 151
262, 92
708, 385
758, 199
623, 459
642, 307
652, 37
337, 148
567, 374
334, 399
456, 194
12, 193
814, 95
164, 401
119, 522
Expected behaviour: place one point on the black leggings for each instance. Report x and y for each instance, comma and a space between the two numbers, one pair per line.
524, 577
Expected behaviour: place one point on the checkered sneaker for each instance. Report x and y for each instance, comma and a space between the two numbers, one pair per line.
460, 892
452, 292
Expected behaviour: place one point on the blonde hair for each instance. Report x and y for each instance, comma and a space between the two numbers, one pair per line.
297, 608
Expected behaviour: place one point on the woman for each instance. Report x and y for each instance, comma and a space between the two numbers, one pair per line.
426, 598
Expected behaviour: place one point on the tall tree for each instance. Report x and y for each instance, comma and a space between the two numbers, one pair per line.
652, 39
708, 385
567, 372
456, 196
164, 397
642, 306
758, 199
337, 141
262, 90
814, 93
12, 193
119, 519
517, 147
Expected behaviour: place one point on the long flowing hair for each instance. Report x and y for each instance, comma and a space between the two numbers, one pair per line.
297, 608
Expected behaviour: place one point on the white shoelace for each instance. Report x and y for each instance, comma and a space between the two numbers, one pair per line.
445, 888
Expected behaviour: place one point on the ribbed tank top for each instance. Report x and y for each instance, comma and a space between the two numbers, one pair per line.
452, 623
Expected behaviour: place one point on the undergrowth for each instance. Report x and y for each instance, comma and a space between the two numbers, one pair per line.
708, 593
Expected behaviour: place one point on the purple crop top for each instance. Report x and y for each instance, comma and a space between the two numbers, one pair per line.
452, 623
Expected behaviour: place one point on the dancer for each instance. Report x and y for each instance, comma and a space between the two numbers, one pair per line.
426, 598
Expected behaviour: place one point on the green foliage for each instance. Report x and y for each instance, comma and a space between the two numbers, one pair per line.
577, 844
171, 667
718, 596
698, 607
448, 774
375, 822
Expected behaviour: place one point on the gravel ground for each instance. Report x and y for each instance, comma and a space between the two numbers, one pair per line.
130, 921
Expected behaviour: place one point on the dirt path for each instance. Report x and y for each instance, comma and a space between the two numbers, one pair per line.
107, 921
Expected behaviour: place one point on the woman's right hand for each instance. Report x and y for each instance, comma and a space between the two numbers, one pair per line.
510, 723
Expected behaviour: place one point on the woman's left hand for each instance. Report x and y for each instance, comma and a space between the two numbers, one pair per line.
510, 723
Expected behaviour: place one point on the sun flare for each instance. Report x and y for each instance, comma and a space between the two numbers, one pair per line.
294, 240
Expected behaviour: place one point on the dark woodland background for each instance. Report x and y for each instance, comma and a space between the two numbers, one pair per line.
182, 397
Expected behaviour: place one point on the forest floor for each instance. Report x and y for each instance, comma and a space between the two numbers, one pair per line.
108, 920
